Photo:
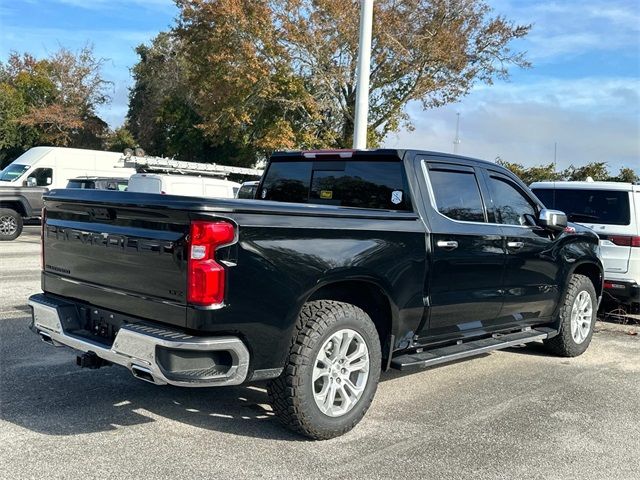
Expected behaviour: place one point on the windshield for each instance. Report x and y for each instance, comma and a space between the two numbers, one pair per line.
12, 172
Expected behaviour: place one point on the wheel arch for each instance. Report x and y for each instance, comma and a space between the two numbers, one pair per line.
367, 295
14, 204
593, 271
590, 268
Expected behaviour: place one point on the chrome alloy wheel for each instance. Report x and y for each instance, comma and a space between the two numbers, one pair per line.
581, 317
8, 225
340, 372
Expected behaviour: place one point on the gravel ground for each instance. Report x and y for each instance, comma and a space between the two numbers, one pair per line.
511, 414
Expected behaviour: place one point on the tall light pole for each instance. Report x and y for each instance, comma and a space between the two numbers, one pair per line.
362, 83
456, 141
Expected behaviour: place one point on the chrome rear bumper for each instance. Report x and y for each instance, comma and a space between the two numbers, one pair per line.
136, 347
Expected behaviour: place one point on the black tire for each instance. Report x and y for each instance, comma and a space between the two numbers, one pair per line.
564, 343
10, 224
292, 394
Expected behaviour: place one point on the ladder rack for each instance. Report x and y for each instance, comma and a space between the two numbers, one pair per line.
168, 165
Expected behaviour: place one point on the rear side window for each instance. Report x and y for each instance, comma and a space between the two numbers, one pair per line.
361, 184
608, 207
457, 195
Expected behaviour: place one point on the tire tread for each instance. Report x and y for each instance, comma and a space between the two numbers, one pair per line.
285, 392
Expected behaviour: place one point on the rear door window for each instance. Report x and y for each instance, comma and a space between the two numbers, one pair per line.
457, 194
361, 184
607, 207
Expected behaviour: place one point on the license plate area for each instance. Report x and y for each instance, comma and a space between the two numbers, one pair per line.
98, 325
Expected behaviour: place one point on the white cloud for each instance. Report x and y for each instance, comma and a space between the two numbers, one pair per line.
599, 93
574, 27
590, 119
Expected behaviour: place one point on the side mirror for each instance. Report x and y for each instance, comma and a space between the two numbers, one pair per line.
552, 219
32, 182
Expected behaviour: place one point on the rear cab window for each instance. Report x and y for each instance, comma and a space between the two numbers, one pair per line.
364, 181
606, 207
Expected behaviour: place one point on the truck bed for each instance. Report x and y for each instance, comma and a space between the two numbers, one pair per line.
125, 252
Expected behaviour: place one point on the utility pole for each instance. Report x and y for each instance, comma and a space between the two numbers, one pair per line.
363, 72
456, 141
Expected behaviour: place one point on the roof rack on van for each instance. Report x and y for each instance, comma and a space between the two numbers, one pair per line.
143, 163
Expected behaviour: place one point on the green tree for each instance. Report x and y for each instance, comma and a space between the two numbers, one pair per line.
281, 74
529, 175
14, 137
162, 114
626, 175
119, 139
598, 171
51, 101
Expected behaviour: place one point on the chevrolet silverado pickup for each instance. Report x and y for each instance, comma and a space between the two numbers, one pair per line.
345, 263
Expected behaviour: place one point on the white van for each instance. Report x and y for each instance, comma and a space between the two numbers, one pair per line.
612, 210
187, 185
53, 167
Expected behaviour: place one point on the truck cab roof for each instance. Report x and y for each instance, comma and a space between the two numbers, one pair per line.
330, 154
587, 185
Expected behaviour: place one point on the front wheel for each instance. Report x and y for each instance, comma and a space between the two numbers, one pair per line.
10, 224
577, 317
332, 372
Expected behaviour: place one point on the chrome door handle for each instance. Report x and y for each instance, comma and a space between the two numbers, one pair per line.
450, 244
515, 245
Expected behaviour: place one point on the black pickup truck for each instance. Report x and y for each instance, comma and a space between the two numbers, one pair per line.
345, 264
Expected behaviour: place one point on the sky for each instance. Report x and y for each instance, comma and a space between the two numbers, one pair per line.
579, 103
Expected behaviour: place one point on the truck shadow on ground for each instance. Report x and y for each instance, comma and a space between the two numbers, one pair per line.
42, 390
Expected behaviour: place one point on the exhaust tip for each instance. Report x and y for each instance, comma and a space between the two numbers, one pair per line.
143, 374
45, 337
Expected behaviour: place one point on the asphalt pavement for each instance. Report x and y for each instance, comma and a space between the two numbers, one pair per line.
512, 414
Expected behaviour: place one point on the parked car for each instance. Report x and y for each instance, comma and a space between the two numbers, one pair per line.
23, 181
248, 189
99, 183
188, 185
347, 263
612, 210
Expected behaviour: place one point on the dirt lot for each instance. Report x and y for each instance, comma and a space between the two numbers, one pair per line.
512, 414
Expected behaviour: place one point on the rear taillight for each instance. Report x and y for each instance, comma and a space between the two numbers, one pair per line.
43, 220
625, 240
206, 278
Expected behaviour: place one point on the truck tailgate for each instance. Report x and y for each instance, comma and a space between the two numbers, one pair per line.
119, 257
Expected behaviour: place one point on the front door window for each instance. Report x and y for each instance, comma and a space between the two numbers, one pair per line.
43, 177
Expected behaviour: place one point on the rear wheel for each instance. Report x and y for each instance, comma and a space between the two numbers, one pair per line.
10, 224
577, 318
332, 372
